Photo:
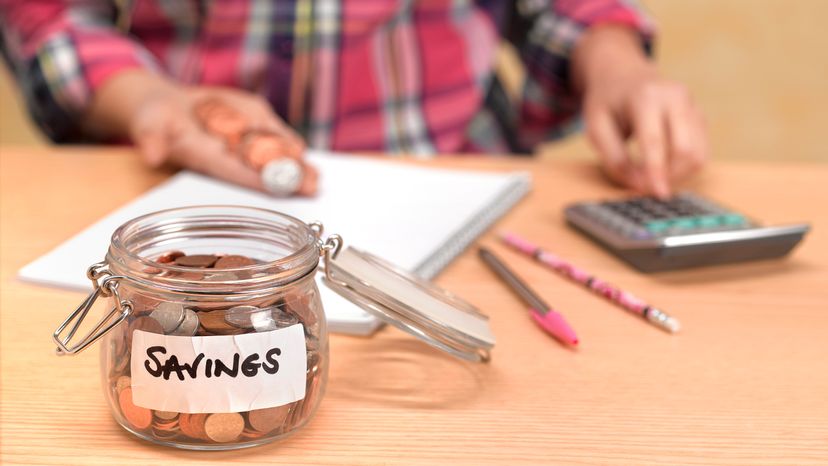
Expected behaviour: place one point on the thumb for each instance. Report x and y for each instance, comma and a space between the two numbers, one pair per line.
153, 147
150, 133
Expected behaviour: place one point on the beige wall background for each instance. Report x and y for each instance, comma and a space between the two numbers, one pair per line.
759, 69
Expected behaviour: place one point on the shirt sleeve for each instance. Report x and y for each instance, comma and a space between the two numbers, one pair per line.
61, 52
549, 107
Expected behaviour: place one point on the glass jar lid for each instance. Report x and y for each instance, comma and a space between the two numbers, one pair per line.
410, 303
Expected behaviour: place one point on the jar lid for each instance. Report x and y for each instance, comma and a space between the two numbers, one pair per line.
410, 303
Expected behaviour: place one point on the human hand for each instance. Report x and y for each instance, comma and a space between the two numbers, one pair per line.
161, 118
625, 98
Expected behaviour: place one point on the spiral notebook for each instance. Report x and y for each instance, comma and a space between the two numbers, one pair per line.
417, 218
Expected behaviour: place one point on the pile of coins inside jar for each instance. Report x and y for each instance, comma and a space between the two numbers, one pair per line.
155, 315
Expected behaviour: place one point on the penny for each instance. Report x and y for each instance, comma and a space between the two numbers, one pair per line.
196, 260
261, 148
226, 124
168, 257
165, 415
300, 305
122, 382
205, 107
169, 315
251, 434
224, 427
214, 323
139, 417
192, 425
189, 326
265, 420
233, 262
220, 119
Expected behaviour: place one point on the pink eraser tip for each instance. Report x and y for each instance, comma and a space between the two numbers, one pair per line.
555, 324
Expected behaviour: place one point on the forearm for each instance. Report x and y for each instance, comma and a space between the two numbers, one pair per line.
606, 50
118, 99
62, 53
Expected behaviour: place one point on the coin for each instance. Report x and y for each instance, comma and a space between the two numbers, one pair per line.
189, 326
259, 148
300, 305
265, 420
228, 125
122, 382
214, 323
282, 177
233, 262
196, 260
165, 429
192, 425
165, 415
221, 120
241, 316
203, 108
224, 427
139, 417
251, 434
168, 257
169, 315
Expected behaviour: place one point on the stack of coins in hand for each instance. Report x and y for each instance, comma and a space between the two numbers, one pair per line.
154, 314
276, 156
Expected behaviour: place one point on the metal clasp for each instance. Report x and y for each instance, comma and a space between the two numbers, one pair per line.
105, 285
328, 248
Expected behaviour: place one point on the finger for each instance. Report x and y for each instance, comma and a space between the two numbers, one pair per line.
310, 181
688, 140
650, 133
607, 139
209, 156
150, 134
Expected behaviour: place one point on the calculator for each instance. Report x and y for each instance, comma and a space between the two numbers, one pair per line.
687, 230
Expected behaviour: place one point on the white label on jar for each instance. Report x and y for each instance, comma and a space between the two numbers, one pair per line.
218, 374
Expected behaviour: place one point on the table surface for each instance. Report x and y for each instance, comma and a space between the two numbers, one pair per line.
745, 382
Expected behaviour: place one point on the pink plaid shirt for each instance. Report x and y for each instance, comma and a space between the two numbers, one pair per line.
413, 76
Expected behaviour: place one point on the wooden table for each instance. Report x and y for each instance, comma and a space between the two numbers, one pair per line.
746, 382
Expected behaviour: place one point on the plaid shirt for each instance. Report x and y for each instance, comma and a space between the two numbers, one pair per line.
395, 76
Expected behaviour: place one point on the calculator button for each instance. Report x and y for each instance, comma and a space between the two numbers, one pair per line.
733, 219
709, 221
683, 224
657, 226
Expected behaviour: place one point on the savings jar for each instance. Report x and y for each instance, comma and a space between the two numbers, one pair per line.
215, 336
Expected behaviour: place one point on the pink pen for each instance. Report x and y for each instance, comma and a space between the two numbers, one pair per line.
541, 313
624, 299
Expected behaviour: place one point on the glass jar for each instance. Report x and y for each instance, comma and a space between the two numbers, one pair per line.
217, 337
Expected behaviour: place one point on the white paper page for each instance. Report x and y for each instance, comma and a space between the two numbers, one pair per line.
401, 213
